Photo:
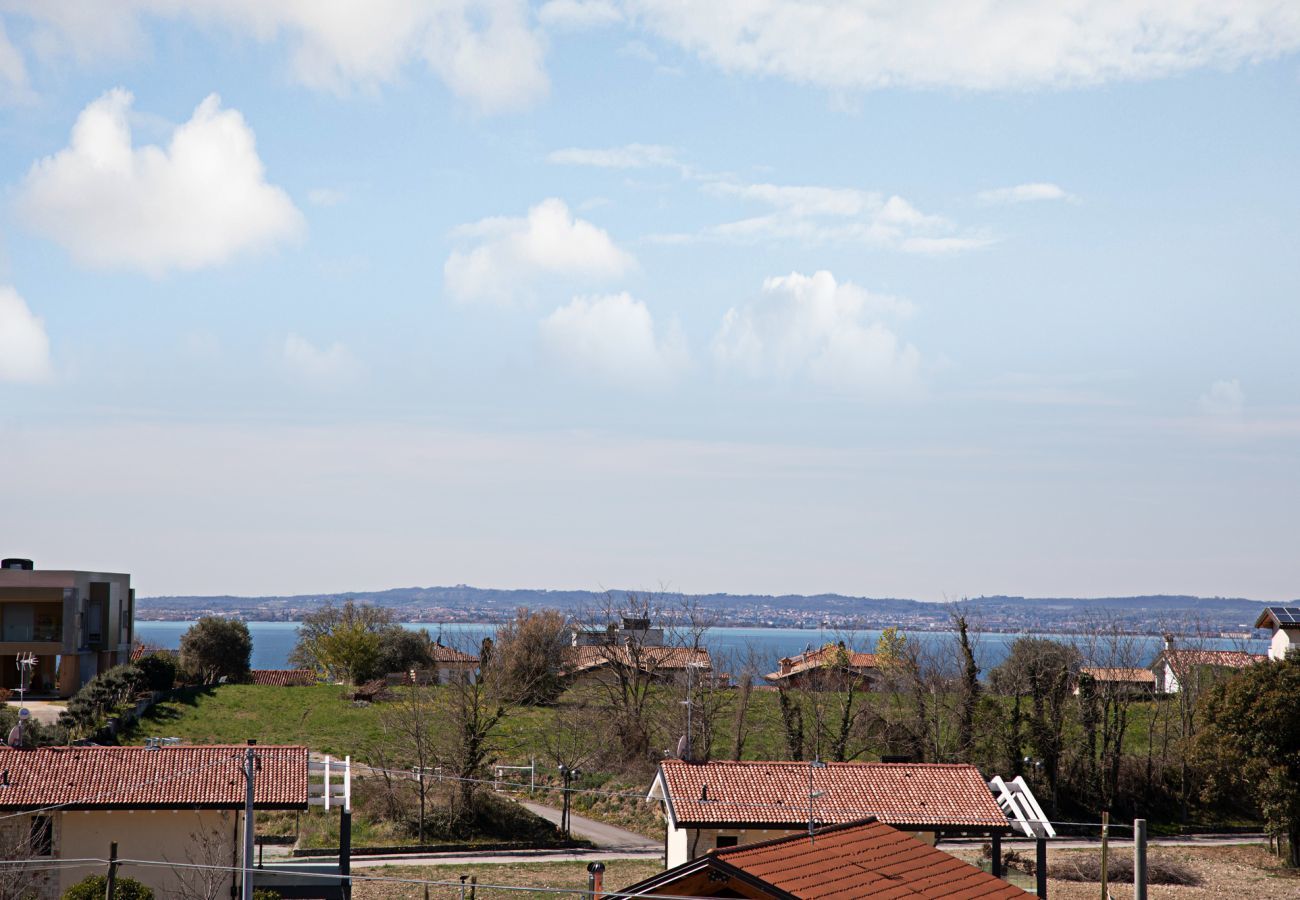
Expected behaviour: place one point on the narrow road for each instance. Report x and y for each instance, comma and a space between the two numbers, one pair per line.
604, 836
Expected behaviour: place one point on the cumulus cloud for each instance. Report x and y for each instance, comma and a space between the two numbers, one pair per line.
811, 327
512, 254
1025, 193
329, 365
486, 51
24, 346
579, 13
629, 156
815, 215
195, 203
975, 46
613, 338
1224, 398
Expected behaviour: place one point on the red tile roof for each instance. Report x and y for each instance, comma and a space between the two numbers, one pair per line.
166, 778
867, 859
823, 657
283, 677
1180, 660
443, 655
1119, 674
583, 659
776, 793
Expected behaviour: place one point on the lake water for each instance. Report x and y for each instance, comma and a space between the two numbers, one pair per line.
273, 641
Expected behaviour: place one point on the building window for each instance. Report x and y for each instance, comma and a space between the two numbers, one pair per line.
727, 840
42, 839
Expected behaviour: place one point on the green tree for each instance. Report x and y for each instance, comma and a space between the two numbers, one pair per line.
401, 649
214, 648
1252, 729
342, 642
95, 887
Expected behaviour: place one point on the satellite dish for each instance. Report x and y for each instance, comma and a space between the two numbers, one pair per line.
24, 713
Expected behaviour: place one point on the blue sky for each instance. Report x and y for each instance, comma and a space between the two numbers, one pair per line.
924, 299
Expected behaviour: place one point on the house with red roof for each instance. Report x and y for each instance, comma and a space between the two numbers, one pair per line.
865, 858
715, 805
175, 805
831, 667
1176, 667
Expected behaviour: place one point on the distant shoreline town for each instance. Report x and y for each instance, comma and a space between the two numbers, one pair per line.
1149, 614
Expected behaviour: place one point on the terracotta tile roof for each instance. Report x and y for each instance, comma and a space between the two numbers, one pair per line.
283, 677
1121, 674
584, 659
1181, 660
822, 657
864, 859
443, 655
776, 793
166, 778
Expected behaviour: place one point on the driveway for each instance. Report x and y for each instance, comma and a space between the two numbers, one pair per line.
43, 711
603, 835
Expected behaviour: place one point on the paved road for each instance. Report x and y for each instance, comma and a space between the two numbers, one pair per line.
603, 835
42, 710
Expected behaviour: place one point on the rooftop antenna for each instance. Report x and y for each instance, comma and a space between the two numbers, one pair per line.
25, 662
813, 795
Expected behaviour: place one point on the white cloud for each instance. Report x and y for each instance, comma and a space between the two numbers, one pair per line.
975, 46
330, 365
1224, 398
579, 13
812, 327
13, 71
613, 338
1025, 193
513, 253
24, 346
629, 156
195, 203
486, 51
816, 215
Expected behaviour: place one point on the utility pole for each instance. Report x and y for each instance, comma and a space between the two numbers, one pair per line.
250, 763
110, 883
1105, 854
1139, 859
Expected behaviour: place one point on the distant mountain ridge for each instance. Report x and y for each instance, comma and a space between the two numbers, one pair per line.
465, 603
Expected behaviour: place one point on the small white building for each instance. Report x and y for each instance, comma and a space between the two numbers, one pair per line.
713, 805
168, 805
1285, 622
1176, 667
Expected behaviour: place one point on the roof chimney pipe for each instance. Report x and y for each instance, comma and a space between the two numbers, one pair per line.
595, 879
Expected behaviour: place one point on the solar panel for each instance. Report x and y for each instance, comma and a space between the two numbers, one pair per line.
1286, 615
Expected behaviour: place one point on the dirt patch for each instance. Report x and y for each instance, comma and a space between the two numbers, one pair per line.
571, 875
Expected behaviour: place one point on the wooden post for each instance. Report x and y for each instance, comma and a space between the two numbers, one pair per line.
1139, 859
1040, 867
1105, 855
996, 842
110, 884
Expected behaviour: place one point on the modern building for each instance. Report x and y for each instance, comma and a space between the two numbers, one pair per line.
1285, 623
167, 805
714, 805
865, 858
75, 624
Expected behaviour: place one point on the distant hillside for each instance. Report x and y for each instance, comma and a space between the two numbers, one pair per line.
462, 603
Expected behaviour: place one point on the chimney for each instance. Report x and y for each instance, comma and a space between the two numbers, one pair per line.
595, 879
1169, 640
785, 665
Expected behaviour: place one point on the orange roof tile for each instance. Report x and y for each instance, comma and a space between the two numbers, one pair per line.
867, 859
823, 657
845, 862
1231, 659
137, 778
1119, 673
776, 793
283, 677
443, 655
585, 658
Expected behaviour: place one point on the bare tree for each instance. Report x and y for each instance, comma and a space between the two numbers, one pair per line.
469, 713
210, 856
19, 839
411, 723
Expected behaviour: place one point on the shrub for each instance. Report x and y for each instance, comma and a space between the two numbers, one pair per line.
265, 894
100, 698
94, 887
158, 671
1160, 870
